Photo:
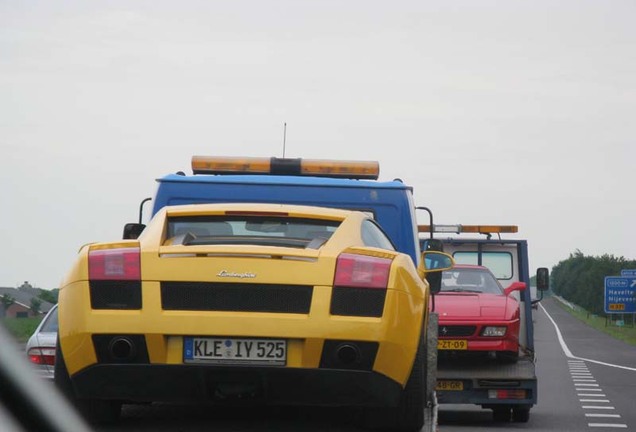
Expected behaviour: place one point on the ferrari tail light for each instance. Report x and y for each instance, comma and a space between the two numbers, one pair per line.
42, 356
362, 271
114, 264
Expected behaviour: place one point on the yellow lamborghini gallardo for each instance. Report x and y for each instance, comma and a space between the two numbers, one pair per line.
279, 304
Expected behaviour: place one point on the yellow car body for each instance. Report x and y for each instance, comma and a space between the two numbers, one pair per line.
127, 340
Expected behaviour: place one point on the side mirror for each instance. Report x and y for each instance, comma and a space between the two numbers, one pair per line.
543, 279
133, 230
515, 286
432, 265
437, 261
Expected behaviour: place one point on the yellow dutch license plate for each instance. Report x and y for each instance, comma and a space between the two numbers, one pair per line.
445, 385
452, 344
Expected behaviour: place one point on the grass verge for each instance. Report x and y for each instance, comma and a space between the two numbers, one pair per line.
21, 328
626, 333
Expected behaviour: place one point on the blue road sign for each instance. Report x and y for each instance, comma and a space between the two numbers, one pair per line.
620, 294
628, 273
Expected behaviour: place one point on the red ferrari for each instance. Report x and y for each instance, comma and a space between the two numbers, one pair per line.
476, 314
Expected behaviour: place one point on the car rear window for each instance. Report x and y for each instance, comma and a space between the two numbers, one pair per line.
470, 280
50, 325
267, 230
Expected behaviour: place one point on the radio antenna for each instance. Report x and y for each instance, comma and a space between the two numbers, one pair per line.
284, 137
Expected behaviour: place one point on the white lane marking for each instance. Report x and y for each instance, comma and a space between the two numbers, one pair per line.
579, 370
590, 395
569, 354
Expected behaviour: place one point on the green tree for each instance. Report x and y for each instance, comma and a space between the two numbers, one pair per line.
49, 295
580, 279
36, 303
6, 301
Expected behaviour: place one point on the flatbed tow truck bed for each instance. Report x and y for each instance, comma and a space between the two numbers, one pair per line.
474, 381
486, 369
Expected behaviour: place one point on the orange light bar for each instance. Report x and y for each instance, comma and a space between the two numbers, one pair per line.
284, 166
490, 228
230, 165
480, 229
332, 168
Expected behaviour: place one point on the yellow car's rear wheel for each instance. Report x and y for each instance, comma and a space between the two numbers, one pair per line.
408, 416
94, 410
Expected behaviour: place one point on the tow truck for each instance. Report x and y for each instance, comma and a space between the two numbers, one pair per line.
509, 390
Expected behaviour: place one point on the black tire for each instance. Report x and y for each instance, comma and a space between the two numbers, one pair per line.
93, 410
100, 411
520, 415
501, 414
408, 416
61, 377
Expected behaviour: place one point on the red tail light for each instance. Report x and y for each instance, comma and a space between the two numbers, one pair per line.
362, 271
42, 356
114, 264
508, 394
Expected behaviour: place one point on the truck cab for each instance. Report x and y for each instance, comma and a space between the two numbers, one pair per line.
350, 185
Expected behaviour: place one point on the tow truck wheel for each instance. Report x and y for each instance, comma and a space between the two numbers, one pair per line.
520, 415
93, 410
501, 414
408, 416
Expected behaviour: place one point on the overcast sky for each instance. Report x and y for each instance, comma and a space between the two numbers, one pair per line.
496, 112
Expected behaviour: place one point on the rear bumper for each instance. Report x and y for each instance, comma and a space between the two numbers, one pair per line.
493, 345
217, 384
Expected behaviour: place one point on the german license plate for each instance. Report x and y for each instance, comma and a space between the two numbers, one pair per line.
445, 385
268, 352
452, 344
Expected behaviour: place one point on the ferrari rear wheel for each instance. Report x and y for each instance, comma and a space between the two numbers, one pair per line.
93, 410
